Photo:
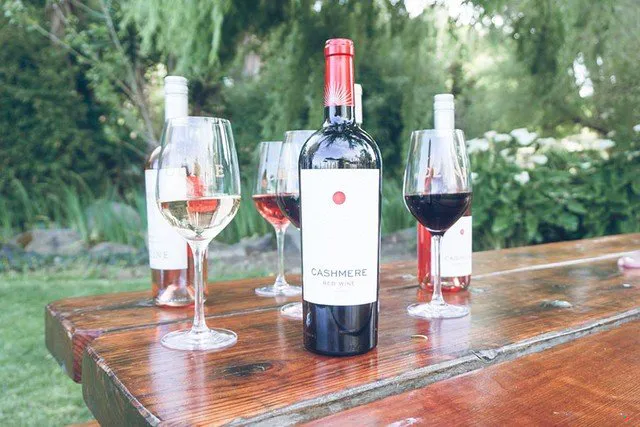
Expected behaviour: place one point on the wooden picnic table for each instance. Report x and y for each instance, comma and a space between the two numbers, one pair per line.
553, 337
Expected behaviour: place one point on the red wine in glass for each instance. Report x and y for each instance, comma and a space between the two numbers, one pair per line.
437, 192
290, 206
438, 212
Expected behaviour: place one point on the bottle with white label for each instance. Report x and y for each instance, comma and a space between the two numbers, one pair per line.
456, 243
340, 194
170, 257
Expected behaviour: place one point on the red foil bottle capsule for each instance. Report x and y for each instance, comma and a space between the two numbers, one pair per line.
338, 76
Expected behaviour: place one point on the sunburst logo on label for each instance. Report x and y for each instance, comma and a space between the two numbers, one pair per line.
336, 94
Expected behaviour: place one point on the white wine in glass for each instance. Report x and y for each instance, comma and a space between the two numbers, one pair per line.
198, 194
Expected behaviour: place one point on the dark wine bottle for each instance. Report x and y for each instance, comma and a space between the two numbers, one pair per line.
340, 195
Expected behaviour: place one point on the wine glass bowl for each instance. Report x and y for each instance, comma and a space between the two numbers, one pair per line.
288, 190
265, 200
437, 191
198, 194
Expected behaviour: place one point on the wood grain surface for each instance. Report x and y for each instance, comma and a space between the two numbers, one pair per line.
590, 381
130, 379
72, 323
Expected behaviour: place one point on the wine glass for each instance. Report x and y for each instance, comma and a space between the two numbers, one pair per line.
288, 190
437, 192
264, 197
198, 194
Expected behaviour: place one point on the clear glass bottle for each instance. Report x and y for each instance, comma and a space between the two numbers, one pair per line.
170, 257
457, 241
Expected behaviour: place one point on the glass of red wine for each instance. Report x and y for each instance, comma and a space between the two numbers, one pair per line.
437, 192
265, 199
288, 190
198, 194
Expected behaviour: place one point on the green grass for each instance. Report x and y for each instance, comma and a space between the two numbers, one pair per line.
34, 390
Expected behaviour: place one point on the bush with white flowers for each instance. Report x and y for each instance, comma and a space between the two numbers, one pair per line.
531, 189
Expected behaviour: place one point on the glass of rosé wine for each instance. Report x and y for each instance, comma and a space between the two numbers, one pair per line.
265, 199
198, 194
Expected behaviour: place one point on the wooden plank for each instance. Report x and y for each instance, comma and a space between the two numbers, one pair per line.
130, 379
72, 323
67, 333
589, 381
92, 423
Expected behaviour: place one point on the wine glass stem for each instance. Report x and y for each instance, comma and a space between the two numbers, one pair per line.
198, 249
280, 232
436, 299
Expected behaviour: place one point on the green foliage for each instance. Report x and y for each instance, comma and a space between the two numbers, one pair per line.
247, 221
541, 192
568, 47
395, 215
45, 124
81, 92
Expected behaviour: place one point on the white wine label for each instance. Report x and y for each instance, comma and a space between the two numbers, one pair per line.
167, 250
455, 254
340, 235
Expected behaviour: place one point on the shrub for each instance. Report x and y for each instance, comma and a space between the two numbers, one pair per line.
532, 190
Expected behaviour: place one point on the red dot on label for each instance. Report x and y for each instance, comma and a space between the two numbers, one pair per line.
339, 197
462, 231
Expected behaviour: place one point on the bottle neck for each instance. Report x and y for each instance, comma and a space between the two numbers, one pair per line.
444, 119
338, 89
175, 105
339, 114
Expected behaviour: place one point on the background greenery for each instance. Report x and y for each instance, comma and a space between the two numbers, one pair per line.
81, 96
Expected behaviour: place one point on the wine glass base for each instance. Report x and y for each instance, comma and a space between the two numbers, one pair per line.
292, 311
279, 291
439, 311
211, 339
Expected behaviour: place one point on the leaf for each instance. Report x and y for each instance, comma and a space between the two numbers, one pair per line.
531, 225
576, 207
500, 224
568, 222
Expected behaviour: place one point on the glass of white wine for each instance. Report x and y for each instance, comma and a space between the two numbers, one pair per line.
198, 193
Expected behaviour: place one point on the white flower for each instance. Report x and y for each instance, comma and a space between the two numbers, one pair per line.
539, 159
492, 133
585, 165
604, 144
477, 145
573, 171
571, 146
522, 178
523, 136
474, 177
545, 142
502, 137
505, 154
636, 128
525, 151
548, 144
523, 157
